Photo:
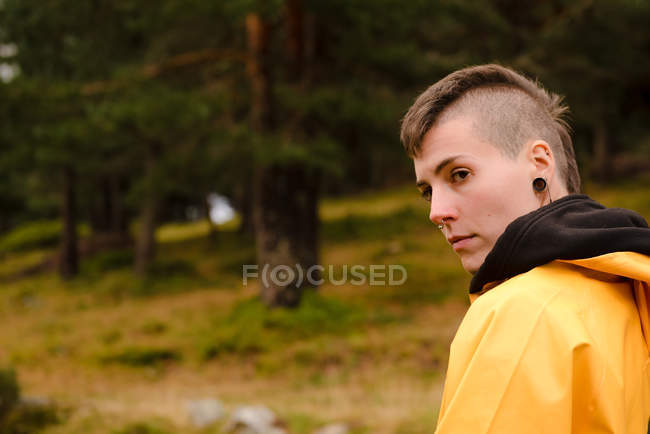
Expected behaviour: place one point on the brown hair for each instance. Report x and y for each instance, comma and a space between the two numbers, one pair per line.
508, 109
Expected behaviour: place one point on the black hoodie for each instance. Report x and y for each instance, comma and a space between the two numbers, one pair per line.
573, 227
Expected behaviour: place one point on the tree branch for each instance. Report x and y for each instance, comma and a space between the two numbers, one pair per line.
154, 70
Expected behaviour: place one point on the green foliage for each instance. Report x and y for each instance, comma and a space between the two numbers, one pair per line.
242, 331
32, 235
21, 417
110, 277
321, 153
9, 392
163, 269
165, 276
315, 315
13, 264
31, 418
362, 227
251, 327
108, 261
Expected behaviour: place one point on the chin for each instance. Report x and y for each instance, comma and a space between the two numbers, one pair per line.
472, 264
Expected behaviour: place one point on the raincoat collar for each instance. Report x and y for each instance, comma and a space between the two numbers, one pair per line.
570, 228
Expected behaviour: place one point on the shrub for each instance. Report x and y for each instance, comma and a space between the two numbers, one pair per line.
30, 417
22, 416
9, 392
110, 260
171, 268
32, 235
165, 276
315, 315
251, 327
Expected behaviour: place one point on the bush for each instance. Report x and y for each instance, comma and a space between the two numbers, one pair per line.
108, 261
9, 392
171, 268
315, 315
38, 234
241, 332
21, 417
30, 417
251, 327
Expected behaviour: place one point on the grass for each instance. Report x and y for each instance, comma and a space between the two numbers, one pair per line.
125, 355
250, 328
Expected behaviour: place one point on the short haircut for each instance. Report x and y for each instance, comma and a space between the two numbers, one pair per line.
506, 108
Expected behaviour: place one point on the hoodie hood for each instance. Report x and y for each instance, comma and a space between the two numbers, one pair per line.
573, 227
633, 266
577, 230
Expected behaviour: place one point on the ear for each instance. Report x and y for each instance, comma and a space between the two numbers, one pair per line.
541, 158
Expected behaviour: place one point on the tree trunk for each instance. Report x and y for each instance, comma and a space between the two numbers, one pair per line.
145, 246
295, 40
100, 208
107, 219
286, 230
69, 254
285, 198
118, 218
258, 32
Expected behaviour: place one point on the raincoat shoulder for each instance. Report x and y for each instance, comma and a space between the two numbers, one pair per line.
558, 349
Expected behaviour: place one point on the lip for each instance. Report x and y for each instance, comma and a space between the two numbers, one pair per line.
459, 242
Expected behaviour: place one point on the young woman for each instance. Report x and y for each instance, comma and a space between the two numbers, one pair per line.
556, 338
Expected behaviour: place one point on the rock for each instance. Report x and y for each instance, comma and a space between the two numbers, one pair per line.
334, 428
36, 401
254, 419
205, 412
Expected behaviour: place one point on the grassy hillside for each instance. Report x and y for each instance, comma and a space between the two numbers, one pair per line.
122, 355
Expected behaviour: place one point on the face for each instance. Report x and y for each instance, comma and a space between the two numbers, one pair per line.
475, 191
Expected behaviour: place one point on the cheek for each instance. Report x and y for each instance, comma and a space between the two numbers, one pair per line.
511, 191
491, 200
497, 204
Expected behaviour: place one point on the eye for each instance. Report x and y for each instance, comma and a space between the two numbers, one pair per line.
459, 175
426, 194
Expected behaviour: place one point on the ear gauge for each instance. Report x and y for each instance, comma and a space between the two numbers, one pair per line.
539, 184
440, 226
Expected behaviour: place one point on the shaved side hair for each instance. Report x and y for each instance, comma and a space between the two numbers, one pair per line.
506, 109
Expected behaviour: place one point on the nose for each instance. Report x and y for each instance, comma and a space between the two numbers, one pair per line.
442, 211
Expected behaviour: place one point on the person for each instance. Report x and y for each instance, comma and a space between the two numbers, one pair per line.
557, 334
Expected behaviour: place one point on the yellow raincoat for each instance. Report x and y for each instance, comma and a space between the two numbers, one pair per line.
562, 348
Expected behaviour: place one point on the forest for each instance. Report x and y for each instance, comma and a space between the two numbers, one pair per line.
128, 126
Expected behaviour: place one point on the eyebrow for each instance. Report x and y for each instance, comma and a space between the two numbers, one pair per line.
439, 168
